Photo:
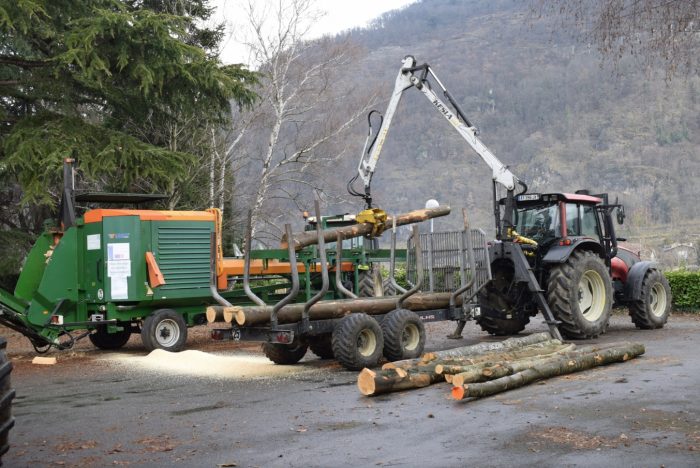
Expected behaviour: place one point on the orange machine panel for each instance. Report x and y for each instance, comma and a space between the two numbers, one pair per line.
95, 216
234, 267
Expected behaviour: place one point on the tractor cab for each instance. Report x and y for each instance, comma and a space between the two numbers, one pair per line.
545, 218
335, 221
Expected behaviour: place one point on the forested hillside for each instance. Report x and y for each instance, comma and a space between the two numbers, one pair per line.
544, 104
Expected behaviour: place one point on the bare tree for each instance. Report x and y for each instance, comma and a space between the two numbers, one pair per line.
659, 32
300, 113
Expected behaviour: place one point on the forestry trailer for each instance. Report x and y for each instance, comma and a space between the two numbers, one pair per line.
553, 252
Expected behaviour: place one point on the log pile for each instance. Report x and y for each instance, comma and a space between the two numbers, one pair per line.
488, 368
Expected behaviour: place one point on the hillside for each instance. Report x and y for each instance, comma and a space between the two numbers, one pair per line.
544, 105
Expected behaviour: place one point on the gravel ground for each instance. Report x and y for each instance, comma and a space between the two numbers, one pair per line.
97, 408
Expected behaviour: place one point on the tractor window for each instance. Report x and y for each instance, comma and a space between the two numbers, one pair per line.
589, 225
573, 224
539, 223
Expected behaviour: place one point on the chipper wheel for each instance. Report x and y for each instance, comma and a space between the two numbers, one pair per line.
357, 341
6, 396
654, 306
321, 346
284, 354
164, 329
580, 295
104, 340
404, 335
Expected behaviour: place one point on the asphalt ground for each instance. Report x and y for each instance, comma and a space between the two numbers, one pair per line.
97, 408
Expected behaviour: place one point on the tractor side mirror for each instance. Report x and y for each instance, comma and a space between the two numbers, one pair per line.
620, 214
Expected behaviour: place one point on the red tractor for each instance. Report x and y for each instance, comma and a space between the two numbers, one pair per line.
570, 246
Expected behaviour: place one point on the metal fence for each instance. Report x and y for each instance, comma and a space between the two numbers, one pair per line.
449, 261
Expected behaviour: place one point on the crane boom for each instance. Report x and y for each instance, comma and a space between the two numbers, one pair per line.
406, 79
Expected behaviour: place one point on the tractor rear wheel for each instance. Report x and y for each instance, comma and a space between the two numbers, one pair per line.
357, 341
404, 335
370, 282
579, 292
284, 354
491, 322
164, 329
109, 341
321, 346
6, 396
654, 306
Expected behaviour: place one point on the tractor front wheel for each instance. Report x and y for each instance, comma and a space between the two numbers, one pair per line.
652, 309
102, 339
164, 329
579, 293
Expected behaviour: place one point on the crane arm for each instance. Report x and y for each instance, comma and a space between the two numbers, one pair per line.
406, 79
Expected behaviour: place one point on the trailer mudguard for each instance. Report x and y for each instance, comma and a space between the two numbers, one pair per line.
561, 253
635, 278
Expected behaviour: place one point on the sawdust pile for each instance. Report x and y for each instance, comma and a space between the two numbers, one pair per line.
201, 364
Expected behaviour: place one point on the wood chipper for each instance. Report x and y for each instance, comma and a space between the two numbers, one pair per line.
113, 272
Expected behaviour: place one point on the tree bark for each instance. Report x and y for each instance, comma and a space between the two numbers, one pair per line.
547, 368
474, 350
256, 315
542, 349
304, 239
371, 383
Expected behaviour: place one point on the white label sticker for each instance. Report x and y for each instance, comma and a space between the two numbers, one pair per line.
120, 287
93, 242
118, 251
118, 268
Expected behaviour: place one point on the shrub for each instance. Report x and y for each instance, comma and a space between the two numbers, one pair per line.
685, 287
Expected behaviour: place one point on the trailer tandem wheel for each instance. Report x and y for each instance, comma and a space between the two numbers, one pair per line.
404, 335
284, 354
357, 341
321, 346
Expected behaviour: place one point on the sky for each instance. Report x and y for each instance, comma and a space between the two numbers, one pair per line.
338, 15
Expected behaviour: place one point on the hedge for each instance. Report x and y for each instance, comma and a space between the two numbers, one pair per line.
685, 287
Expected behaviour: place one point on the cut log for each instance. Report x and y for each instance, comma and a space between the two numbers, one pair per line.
474, 350
479, 374
547, 368
257, 315
372, 383
536, 350
221, 313
303, 239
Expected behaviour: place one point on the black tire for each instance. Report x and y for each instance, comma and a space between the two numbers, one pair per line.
164, 329
653, 308
370, 283
109, 341
284, 354
321, 346
389, 289
357, 341
404, 335
579, 292
490, 322
7, 394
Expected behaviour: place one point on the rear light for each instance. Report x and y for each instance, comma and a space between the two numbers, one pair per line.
565, 242
218, 334
282, 338
57, 320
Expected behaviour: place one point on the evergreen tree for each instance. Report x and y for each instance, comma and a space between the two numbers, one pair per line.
106, 82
